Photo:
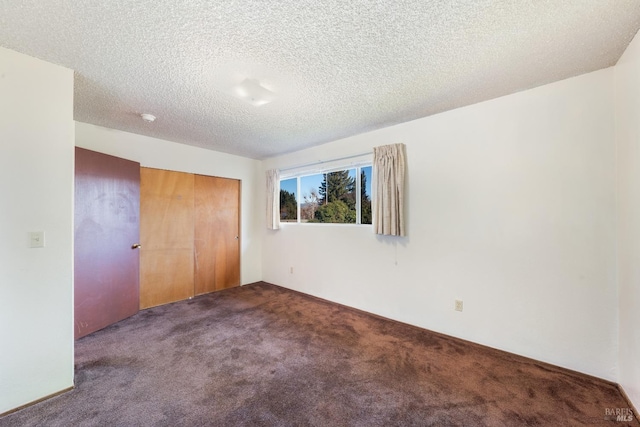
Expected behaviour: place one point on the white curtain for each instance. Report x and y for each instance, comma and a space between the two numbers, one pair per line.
388, 200
273, 199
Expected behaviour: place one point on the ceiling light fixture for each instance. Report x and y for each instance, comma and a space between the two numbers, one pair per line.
251, 91
149, 118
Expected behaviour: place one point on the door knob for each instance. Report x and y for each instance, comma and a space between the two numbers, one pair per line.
236, 237
136, 246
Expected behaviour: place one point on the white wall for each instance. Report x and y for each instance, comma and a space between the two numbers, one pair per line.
157, 153
627, 100
511, 208
36, 193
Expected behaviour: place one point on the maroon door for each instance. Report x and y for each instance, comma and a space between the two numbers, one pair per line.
107, 218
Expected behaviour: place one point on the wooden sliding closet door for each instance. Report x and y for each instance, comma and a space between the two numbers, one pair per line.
166, 234
217, 233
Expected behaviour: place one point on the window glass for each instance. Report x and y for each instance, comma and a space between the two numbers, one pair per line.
365, 195
331, 197
310, 201
289, 200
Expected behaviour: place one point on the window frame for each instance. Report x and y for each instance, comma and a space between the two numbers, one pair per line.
358, 191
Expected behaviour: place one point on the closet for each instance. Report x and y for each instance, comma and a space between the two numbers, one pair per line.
190, 235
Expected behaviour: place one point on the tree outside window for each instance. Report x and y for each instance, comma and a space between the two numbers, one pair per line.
331, 197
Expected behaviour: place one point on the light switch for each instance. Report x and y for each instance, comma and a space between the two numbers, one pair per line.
36, 239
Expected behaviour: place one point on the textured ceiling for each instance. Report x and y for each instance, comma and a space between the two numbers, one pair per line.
338, 67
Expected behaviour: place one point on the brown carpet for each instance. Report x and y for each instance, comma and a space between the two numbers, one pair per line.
266, 356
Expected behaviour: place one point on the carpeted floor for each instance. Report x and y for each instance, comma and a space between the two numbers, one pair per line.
266, 356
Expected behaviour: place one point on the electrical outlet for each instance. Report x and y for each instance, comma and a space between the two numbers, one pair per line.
36, 239
458, 306
291, 270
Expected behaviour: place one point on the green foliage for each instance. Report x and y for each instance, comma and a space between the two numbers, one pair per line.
365, 201
336, 212
288, 206
337, 186
333, 202
337, 198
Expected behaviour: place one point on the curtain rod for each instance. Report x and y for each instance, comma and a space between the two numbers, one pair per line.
325, 161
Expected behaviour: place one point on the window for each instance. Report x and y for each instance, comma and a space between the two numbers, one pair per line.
289, 200
336, 197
